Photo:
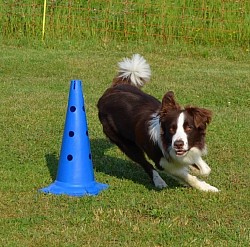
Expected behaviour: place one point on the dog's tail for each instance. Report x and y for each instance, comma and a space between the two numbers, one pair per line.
135, 71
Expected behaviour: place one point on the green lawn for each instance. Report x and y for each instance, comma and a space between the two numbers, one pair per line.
34, 87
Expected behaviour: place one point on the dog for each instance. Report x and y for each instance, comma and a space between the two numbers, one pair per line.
141, 126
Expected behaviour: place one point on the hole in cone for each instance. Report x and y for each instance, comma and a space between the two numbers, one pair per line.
71, 133
72, 108
69, 157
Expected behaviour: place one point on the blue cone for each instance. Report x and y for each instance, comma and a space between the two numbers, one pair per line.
75, 175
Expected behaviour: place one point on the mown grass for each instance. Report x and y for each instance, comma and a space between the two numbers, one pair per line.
194, 22
34, 91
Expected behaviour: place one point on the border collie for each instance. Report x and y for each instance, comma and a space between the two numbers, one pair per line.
171, 136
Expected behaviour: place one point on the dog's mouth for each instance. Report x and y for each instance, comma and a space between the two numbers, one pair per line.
180, 152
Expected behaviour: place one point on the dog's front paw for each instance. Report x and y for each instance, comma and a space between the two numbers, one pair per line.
207, 187
158, 181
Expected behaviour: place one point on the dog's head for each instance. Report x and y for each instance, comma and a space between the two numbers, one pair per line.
182, 129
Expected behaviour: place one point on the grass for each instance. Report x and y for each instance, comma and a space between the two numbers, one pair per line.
34, 91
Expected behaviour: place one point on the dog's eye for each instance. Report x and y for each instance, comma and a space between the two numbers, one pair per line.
172, 130
188, 128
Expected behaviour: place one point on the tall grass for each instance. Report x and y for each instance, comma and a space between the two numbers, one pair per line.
197, 22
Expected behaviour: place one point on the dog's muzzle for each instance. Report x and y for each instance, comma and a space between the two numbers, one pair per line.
179, 148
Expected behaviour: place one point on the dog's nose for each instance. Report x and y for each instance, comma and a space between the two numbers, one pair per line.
178, 144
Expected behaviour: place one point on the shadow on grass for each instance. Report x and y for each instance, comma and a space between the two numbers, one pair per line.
121, 168
52, 164
112, 166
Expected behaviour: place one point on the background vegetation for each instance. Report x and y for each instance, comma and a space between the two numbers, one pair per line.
195, 22
210, 71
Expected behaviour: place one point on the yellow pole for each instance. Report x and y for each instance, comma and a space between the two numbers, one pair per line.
44, 17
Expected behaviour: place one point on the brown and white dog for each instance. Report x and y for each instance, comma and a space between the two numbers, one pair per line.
171, 136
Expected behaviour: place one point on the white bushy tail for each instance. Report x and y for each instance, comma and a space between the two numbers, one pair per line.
136, 69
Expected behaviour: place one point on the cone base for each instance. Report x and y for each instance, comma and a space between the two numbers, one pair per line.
60, 188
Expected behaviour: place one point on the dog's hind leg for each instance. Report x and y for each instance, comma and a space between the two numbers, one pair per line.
137, 155
130, 148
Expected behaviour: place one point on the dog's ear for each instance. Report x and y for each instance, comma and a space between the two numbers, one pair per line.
169, 103
201, 116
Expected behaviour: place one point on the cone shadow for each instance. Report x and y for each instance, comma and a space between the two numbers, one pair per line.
52, 164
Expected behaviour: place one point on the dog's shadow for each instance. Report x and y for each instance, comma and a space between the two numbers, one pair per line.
112, 166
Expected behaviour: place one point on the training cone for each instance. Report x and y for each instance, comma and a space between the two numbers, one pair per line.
75, 175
